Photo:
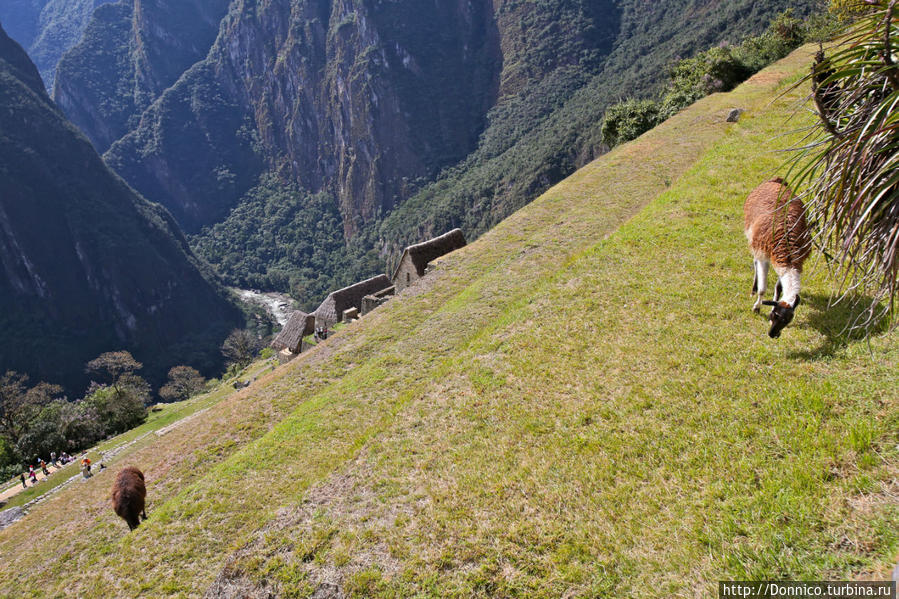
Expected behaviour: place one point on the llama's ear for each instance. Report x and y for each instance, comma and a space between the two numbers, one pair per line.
768, 303
796, 303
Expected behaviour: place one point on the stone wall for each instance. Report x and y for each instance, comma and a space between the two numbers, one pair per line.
406, 274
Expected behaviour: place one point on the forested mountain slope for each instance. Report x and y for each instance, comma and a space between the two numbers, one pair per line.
333, 95
130, 53
47, 28
87, 265
367, 103
579, 404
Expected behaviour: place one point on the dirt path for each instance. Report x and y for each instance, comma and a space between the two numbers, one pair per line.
17, 488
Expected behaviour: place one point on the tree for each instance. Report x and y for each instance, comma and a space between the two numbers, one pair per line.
119, 410
78, 423
111, 366
43, 435
850, 162
19, 404
184, 382
240, 347
122, 402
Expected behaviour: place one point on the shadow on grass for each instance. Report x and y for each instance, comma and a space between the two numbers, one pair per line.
844, 323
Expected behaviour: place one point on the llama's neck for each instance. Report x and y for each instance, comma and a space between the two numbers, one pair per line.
790, 281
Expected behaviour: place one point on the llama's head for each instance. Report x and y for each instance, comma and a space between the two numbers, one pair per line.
781, 315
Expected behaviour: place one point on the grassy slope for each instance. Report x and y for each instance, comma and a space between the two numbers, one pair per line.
160, 418
563, 406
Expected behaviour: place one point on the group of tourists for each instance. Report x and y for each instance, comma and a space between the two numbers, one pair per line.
56, 461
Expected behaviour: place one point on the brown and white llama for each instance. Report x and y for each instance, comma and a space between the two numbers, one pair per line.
129, 494
778, 235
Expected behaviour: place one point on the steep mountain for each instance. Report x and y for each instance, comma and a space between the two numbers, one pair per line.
350, 97
88, 265
457, 115
131, 52
47, 28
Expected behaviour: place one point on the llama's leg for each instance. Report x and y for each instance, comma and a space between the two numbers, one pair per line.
143, 514
755, 280
778, 290
761, 280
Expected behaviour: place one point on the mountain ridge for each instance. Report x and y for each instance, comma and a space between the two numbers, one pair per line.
370, 102
89, 266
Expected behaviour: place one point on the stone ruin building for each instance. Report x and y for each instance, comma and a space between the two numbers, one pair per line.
372, 301
289, 342
331, 310
351, 302
414, 262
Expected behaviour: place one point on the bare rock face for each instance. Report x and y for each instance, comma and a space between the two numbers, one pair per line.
344, 96
10, 516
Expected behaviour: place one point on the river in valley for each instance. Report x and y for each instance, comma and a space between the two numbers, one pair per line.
278, 305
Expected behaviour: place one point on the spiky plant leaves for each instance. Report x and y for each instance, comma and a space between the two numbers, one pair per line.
849, 162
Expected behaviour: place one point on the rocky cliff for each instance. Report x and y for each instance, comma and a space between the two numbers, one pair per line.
86, 264
350, 96
457, 113
47, 28
131, 52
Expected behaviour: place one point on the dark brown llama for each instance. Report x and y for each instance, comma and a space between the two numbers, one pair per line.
129, 494
778, 235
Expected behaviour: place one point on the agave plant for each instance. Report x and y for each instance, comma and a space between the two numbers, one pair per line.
849, 164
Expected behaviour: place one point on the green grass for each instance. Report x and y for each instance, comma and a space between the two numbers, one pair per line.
579, 404
158, 418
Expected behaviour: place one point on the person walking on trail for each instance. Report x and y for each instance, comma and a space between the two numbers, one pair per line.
32, 475
53, 459
22, 477
86, 467
44, 468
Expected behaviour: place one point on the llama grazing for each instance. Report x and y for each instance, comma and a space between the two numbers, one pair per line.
778, 234
129, 494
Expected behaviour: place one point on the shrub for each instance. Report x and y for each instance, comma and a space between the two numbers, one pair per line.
785, 33
628, 120
715, 70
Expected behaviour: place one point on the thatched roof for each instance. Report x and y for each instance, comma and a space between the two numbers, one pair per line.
332, 308
291, 336
423, 253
